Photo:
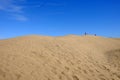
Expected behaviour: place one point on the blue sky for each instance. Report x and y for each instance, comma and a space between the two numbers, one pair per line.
59, 17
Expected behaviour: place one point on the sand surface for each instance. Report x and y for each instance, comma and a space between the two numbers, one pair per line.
60, 58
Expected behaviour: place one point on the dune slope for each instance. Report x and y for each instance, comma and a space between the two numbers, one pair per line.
60, 58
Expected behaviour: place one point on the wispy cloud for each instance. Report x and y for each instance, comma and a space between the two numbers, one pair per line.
13, 7
20, 17
47, 3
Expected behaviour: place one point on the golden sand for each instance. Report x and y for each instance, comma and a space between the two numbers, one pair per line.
60, 58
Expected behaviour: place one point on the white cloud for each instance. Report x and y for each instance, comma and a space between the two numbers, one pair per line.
20, 17
9, 5
13, 7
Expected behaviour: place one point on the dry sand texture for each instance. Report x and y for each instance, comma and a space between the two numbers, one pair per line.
60, 58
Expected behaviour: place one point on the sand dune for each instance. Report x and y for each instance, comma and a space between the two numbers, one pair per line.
60, 58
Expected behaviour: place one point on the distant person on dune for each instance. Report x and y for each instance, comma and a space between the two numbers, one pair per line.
85, 33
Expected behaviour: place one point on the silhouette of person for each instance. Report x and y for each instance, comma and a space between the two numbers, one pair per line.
85, 33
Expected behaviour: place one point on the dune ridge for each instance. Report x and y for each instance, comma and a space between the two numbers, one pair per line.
60, 58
